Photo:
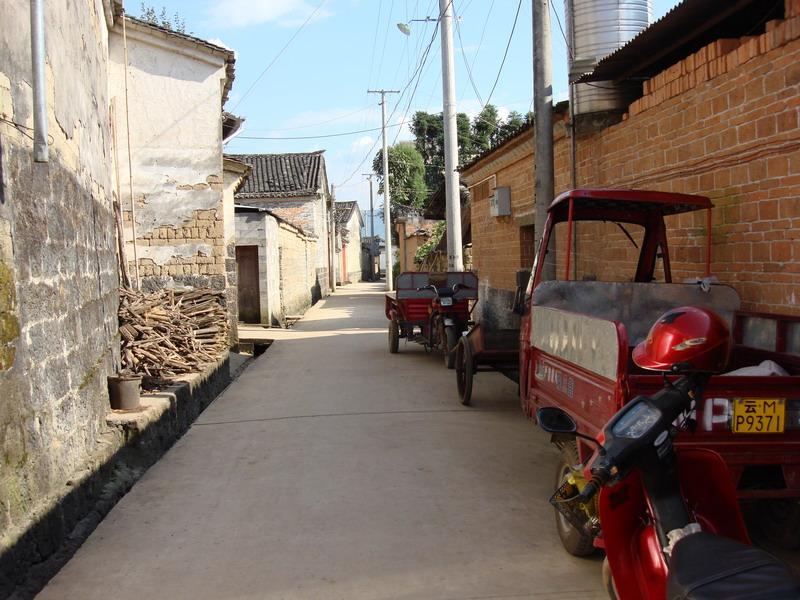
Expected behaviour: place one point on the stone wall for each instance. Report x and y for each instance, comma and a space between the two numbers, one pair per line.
721, 123
261, 230
310, 214
58, 270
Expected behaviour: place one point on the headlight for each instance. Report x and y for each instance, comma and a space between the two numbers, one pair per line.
446, 301
637, 421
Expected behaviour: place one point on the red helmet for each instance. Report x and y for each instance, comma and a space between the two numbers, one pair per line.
685, 339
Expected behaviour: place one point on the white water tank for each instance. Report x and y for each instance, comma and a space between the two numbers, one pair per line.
596, 28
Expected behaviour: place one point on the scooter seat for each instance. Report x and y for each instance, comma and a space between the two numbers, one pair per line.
710, 567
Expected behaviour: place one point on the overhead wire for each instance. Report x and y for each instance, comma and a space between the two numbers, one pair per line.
318, 137
317, 124
466, 62
505, 54
420, 65
375, 41
280, 52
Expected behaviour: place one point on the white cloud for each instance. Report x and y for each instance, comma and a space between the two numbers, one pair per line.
362, 143
333, 117
241, 13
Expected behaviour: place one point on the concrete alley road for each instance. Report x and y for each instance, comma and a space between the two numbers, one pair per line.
332, 469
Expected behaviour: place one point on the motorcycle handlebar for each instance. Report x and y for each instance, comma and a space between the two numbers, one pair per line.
588, 492
599, 477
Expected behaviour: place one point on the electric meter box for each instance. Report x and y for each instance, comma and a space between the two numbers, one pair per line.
500, 202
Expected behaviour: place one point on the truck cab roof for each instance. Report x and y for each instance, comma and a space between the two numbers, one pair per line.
628, 201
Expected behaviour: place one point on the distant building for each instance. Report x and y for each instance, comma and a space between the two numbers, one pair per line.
349, 263
295, 188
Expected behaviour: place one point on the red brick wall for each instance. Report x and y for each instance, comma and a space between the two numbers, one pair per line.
497, 242
721, 123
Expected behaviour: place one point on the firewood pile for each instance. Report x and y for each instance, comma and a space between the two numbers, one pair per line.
171, 332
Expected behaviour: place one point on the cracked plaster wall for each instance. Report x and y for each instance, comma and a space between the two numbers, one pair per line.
174, 103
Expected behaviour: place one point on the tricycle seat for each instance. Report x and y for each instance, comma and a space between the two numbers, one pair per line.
408, 284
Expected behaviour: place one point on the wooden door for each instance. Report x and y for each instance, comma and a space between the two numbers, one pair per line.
247, 277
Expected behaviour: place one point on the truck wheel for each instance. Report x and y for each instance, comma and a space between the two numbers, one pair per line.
575, 541
394, 336
449, 342
608, 580
464, 371
779, 521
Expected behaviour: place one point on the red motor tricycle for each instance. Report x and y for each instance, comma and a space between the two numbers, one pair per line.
432, 309
670, 518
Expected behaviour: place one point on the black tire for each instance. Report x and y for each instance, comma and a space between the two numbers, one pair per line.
465, 371
449, 343
575, 542
608, 580
394, 336
778, 519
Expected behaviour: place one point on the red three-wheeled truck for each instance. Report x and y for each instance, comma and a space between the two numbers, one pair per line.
602, 277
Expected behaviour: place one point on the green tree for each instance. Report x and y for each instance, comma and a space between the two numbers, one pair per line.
407, 176
513, 122
161, 19
428, 130
484, 128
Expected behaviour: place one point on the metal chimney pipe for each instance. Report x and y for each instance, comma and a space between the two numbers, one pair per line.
41, 152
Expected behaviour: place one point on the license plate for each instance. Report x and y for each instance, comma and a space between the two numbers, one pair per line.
759, 415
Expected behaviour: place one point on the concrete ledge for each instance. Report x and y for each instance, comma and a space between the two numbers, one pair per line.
133, 442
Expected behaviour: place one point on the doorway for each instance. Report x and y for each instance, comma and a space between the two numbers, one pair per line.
247, 277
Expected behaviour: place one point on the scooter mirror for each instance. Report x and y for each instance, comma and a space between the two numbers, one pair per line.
555, 420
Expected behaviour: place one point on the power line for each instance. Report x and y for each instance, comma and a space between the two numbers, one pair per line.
280, 52
419, 70
505, 54
317, 137
331, 120
563, 35
466, 63
402, 93
375, 41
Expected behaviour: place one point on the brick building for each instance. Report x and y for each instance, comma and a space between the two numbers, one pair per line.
717, 116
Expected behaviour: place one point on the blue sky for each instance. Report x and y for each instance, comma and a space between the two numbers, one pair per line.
337, 49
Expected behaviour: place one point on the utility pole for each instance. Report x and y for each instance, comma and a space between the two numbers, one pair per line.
455, 261
387, 213
543, 114
332, 238
371, 227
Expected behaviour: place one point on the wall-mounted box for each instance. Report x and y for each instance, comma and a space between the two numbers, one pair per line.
500, 202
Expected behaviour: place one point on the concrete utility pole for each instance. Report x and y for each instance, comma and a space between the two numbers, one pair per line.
455, 261
387, 213
371, 227
543, 114
332, 237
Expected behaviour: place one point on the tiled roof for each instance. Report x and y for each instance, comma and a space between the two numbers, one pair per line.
343, 210
282, 175
685, 29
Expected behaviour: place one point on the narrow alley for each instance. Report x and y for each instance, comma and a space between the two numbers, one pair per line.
365, 480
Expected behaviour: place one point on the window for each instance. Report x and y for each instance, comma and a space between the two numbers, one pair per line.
601, 251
